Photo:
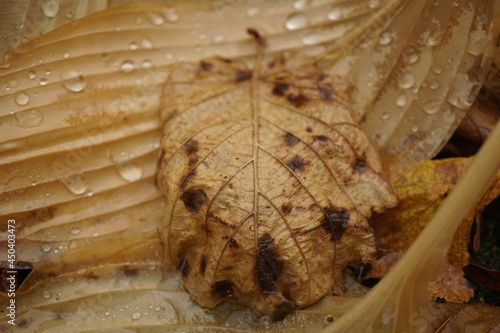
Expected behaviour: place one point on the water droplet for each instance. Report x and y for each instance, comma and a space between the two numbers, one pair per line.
386, 116
334, 14
401, 100
171, 14
435, 38
31, 75
13, 83
434, 84
296, 21
156, 18
4, 64
312, 38
22, 98
29, 119
129, 170
47, 72
410, 55
50, 7
73, 81
300, 4
133, 46
202, 36
218, 39
46, 247
414, 128
373, 3
75, 231
46, 294
432, 107
76, 183
385, 38
43, 81
437, 69
127, 66
147, 43
65, 55
147, 64
157, 309
136, 315
407, 81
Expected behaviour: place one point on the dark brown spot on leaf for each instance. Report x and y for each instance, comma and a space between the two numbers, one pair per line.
279, 88
325, 91
297, 163
297, 100
309, 129
203, 265
241, 76
223, 288
226, 60
91, 275
360, 165
286, 208
233, 243
320, 138
283, 308
128, 272
191, 146
22, 322
205, 66
290, 139
185, 268
335, 222
193, 199
268, 264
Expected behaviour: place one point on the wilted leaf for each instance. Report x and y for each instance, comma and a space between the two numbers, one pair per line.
420, 193
487, 277
477, 317
269, 182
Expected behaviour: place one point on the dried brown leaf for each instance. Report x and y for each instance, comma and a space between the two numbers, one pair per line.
420, 193
269, 182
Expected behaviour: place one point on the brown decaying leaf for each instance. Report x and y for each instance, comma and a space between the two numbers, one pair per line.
487, 277
477, 317
269, 182
109, 129
420, 193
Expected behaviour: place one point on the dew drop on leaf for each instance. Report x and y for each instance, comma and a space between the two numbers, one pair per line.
300, 4
22, 98
434, 84
13, 83
31, 75
73, 81
50, 7
435, 38
156, 18
407, 81
385, 38
136, 315
43, 81
76, 183
133, 46
296, 21
432, 107
410, 55
129, 171
147, 43
312, 38
218, 39
127, 66
46, 247
401, 100
147, 64
172, 15
46, 294
75, 231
